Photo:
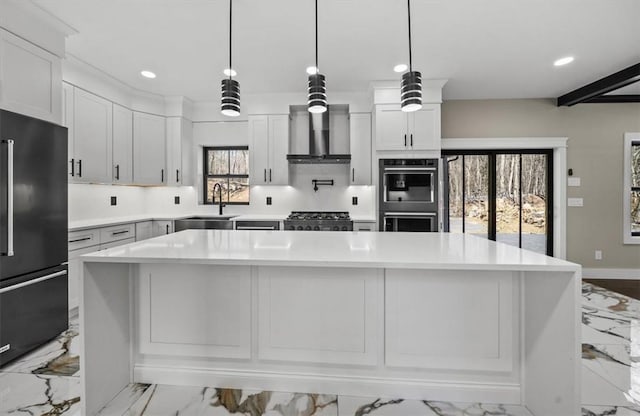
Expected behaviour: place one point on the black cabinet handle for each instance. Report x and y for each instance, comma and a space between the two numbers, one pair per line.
265, 176
269, 174
119, 232
353, 174
405, 139
80, 239
117, 172
411, 139
177, 175
80, 168
73, 166
162, 175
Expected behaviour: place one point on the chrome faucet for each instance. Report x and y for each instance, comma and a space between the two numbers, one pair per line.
219, 195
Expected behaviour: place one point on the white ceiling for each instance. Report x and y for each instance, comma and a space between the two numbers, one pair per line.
486, 48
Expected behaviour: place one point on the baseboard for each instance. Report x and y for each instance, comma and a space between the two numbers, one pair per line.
622, 274
342, 385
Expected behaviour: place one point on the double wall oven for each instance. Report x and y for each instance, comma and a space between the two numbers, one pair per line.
408, 195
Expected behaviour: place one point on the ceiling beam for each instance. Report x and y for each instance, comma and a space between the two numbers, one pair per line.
602, 86
627, 98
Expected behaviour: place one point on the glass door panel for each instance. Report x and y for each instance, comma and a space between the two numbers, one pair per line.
534, 203
508, 199
455, 197
476, 195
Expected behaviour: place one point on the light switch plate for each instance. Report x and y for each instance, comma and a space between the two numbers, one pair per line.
573, 181
575, 202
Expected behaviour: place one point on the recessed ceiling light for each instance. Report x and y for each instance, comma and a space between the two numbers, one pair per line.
148, 74
230, 72
312, 70
400, 68
563, 61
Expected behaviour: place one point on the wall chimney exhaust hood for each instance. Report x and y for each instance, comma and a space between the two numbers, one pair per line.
319, 143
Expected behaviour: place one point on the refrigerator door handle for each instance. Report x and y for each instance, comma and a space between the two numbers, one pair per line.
33, 282
9, 251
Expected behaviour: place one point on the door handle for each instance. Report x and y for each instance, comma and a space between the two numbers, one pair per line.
117, 172
162, 175
73, 166
411, 139
177, 175
80, 168
405, 139
353, 174
33, 282
80, 239
9, 251
167, 228
265, 176
269, 174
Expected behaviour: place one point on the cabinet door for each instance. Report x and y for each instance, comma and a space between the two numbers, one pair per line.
149, 143
93, 117
424, 128
144, 230
391, 128
187, 152
174, 151
30, 79
360, 137
259, 149
67, 121
122, 145
278, 170
162, 228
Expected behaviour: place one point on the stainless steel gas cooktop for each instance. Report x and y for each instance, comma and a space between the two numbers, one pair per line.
318, 221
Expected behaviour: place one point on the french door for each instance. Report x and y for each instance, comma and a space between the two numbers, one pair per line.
504, 196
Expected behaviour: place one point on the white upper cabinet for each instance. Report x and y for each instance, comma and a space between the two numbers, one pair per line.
92, 141
360, 137
67, 121
179, 151
397, 130
122, 145
268, 148
149, 143
30, 79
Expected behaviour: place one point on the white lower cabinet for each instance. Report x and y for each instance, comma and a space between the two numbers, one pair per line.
144, 230
162, 227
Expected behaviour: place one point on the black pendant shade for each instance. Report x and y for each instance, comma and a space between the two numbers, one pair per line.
411, 91
230, 105
411, 87
317, 94
317, 90
230, 97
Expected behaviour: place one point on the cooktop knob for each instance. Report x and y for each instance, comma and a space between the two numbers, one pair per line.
336, 228
308, 228
316, 228
344, 228
299, 227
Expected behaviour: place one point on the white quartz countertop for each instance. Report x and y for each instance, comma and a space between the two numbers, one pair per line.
109, 221
331, 249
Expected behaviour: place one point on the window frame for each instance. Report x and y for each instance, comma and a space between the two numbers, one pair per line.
629, 237
206, 176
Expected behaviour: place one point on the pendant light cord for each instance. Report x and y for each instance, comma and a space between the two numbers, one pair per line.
409, 13
317, 69
230, 23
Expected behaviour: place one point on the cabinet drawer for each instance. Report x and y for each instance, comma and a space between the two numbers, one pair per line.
116, 233
117, 243
83, 238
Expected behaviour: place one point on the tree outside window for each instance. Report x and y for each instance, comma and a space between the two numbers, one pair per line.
228, 166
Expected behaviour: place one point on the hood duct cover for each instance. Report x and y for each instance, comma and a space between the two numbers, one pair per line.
319, 143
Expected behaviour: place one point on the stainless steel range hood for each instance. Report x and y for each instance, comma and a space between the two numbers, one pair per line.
319, 143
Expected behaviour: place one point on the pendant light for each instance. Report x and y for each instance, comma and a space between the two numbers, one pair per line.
411, 90
317, 92
230, 87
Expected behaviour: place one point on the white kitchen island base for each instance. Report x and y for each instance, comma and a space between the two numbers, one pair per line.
417, 316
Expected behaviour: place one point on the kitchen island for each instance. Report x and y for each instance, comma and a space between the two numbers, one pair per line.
414, 315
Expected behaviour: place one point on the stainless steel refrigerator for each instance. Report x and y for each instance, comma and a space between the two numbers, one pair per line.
33, 233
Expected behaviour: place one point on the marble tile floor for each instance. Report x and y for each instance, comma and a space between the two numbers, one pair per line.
46, 381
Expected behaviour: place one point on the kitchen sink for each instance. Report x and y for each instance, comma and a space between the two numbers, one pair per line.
217, 222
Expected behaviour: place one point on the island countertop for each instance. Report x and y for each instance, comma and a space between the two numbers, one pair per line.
331, 249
